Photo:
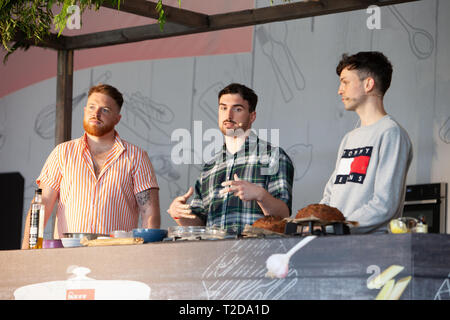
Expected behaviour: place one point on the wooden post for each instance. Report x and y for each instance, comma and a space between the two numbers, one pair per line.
63, 117
64, 88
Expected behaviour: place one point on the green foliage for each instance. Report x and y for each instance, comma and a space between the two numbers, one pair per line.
29, 19
27, 22
162, 16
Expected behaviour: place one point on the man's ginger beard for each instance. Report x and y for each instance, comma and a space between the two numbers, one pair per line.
96, 130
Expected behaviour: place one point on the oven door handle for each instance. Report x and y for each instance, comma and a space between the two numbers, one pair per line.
430, 201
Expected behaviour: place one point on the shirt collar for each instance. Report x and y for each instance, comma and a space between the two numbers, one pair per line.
118, 143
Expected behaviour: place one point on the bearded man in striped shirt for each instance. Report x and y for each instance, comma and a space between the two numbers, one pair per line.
248, 179
100, 182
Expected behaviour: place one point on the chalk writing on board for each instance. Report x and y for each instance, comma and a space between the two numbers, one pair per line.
239, 273
443, 292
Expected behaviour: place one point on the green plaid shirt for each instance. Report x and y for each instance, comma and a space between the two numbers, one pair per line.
257, 162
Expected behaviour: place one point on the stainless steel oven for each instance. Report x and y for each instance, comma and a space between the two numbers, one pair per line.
429, 201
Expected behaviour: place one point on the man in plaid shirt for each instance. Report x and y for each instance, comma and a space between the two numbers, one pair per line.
247, 180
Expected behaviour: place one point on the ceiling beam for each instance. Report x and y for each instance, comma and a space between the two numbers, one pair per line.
229, 20
51, 41
290, 11
173, 14
125, 35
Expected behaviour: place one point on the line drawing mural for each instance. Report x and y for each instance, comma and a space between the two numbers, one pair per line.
444, 131
44, 125
278, 34
301, 156
206, 98
421, 41
162, 164
270, 46
141, 110
2, 131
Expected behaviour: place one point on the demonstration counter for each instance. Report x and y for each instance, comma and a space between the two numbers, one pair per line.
329, 267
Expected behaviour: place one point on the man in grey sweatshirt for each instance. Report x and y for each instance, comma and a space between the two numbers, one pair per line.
368, 183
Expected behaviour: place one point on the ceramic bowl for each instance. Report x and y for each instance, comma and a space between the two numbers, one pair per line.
71, 242
150, 235
52, 243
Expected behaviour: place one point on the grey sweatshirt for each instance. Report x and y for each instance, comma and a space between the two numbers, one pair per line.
368, 183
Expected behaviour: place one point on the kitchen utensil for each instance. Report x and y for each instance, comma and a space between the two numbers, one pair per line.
267, 47
280, 32
421, 41
278, 264
150, 235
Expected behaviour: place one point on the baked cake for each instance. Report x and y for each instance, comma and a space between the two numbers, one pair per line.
275, 224
320, 211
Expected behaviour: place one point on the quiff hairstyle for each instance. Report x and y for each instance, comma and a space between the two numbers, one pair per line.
109, 91
369, 63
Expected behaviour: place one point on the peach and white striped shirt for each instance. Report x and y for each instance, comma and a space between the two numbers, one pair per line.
97, 205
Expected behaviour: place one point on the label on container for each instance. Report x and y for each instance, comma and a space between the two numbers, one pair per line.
80, 294
33, 236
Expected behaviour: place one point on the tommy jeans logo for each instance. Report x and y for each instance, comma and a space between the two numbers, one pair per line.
353, 165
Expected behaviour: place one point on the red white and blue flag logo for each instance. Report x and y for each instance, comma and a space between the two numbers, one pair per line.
353, 165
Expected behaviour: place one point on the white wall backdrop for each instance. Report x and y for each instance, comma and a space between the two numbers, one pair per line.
291, 68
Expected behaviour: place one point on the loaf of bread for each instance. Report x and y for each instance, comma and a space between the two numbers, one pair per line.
320, 211
275, 224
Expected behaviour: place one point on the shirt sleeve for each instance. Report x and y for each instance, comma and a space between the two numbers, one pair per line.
196, 204
281, 181
51, 173
144, 176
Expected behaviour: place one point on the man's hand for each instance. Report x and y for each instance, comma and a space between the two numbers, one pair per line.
179, 209
246, 191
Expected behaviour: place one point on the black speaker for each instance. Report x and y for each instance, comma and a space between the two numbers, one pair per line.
11, 199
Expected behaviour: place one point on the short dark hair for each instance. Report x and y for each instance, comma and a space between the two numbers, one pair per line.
369, 63
109, 91
246, 93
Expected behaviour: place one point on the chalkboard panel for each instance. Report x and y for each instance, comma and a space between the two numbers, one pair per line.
331, 267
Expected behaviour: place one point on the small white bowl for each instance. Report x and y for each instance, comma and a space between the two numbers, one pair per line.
71, 242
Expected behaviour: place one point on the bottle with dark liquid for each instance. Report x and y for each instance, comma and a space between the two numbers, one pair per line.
421, 226
37, 221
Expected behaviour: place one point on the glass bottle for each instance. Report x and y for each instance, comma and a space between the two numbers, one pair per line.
37, 221
422, 226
